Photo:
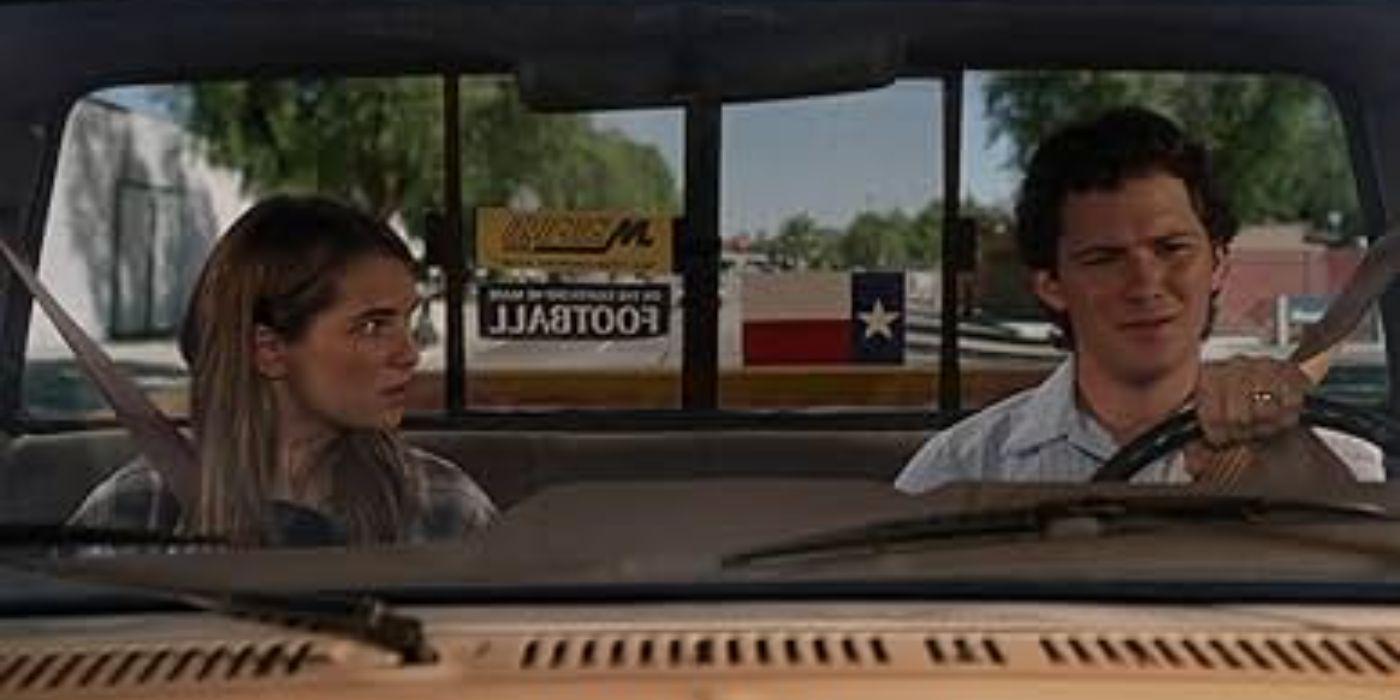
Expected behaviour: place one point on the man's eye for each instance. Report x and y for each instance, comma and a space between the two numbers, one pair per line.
1174, 247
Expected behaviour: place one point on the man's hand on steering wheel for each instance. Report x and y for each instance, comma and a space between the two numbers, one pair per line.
1241, 403
1245, 399
1257, 409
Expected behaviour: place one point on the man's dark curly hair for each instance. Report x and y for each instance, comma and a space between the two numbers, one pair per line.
1100, 154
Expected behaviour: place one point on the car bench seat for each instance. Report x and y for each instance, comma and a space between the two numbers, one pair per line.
43, 478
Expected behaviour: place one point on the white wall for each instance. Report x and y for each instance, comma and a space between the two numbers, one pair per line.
110, 153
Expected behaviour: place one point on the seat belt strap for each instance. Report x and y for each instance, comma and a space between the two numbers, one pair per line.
1378, 269
156, 436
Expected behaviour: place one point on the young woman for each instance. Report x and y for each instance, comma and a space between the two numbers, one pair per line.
299, 343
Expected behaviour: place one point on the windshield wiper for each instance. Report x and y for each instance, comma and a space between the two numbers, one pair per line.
364, 619
361, 618
44, 536
1090, 515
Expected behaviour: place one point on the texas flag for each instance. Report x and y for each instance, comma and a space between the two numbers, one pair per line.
823, 318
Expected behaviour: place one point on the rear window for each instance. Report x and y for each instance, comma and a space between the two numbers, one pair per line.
149, 176
833, 222
1281, 157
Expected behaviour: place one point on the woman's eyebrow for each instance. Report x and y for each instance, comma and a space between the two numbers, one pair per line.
374, 313
384, 311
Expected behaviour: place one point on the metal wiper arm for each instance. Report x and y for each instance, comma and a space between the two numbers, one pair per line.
1040, 518
362, 619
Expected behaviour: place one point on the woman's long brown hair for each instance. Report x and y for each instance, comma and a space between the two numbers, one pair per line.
278, 266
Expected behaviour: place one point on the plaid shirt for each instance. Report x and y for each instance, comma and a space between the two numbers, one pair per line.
136, 498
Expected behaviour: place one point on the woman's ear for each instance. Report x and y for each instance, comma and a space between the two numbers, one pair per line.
269, 353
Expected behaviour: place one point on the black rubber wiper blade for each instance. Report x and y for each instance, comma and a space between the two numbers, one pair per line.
363, 618
1100, 513
42, 536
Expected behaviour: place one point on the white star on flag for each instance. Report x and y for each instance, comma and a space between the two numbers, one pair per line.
877, 321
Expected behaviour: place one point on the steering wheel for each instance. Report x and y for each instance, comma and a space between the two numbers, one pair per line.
1174, 432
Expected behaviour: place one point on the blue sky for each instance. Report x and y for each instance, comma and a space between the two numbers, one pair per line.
834, 156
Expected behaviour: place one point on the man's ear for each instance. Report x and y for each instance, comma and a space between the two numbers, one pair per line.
1222, 268
1047, 288
269, 353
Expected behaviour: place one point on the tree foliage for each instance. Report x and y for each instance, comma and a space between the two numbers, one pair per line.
799, 244
378, 142
872, 240
1278, 147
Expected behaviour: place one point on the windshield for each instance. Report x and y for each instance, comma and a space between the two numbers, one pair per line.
432, 333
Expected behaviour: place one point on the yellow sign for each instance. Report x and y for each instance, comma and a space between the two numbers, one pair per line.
574, 241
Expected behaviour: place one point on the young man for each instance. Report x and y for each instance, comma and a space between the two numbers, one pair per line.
1126, 236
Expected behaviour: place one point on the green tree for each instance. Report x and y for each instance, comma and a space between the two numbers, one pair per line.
361, 140
603, 170
872, 240
1278, 146
800, 244
378, 142
876, 240
924, 238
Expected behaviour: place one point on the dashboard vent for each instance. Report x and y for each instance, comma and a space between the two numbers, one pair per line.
963, 650
703, 651
1370, 655
144, 667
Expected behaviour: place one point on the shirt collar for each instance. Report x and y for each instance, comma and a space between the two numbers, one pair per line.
1052, 413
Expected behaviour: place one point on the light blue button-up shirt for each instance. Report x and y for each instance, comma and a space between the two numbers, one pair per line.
1041, 434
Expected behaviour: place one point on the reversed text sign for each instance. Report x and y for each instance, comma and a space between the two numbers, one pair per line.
573, 311
573, 241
